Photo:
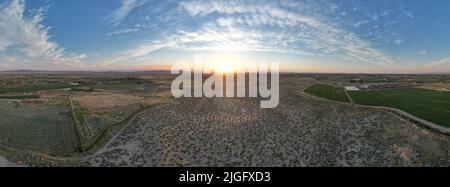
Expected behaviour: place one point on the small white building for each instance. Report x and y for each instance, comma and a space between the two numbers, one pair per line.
364, 87
351, 88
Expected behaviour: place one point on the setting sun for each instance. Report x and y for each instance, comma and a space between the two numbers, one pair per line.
225, 67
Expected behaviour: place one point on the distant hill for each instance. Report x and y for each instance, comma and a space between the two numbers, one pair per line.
162, 72
39, 72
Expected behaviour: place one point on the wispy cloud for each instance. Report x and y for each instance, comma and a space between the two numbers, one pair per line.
360, 23
408, 13
441, 65
24, 39
123, 31
268, 26
422, 52
398, 41
438, 65
254, 11
122, 12
139, 51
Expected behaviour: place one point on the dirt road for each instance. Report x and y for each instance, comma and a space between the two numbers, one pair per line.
6, 163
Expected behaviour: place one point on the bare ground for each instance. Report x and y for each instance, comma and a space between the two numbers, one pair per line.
6, 163
300, 132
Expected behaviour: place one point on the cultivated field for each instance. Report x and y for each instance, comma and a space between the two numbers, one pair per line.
117, 87
95, 113
34, 88
19, 96
328, 92
44, 117
430, 105
42, 127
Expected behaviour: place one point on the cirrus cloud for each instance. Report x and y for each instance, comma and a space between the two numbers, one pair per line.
266, 26
26, 40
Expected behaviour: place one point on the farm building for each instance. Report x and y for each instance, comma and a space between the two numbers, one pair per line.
352, 88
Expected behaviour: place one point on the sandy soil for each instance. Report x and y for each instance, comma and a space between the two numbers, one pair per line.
6, 163
300, 132
443, 86
113, 100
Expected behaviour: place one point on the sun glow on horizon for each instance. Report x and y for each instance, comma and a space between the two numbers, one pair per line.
224, 62
225, 67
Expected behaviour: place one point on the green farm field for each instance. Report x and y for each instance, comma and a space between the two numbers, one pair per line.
35, 88
43, 127
19, 97
328, 92
116, 87
430, 105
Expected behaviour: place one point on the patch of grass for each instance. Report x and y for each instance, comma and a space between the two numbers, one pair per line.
430, 105
43, 128
328, 92
82, 89
20, 97
35, 88
116, 87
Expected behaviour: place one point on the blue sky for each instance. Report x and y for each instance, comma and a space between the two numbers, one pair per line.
395, 36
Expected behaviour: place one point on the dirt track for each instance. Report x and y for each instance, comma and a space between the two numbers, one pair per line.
6, 163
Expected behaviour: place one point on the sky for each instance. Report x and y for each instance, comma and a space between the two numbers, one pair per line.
343, 36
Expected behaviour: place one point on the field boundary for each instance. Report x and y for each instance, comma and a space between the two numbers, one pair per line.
349, 97
346, 100
127, 119
399, 112
402, 113
75, 121
320, 98
105, 146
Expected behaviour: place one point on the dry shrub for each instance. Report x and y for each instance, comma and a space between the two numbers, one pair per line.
113, 100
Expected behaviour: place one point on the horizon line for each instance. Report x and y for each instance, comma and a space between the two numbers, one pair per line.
156, 70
